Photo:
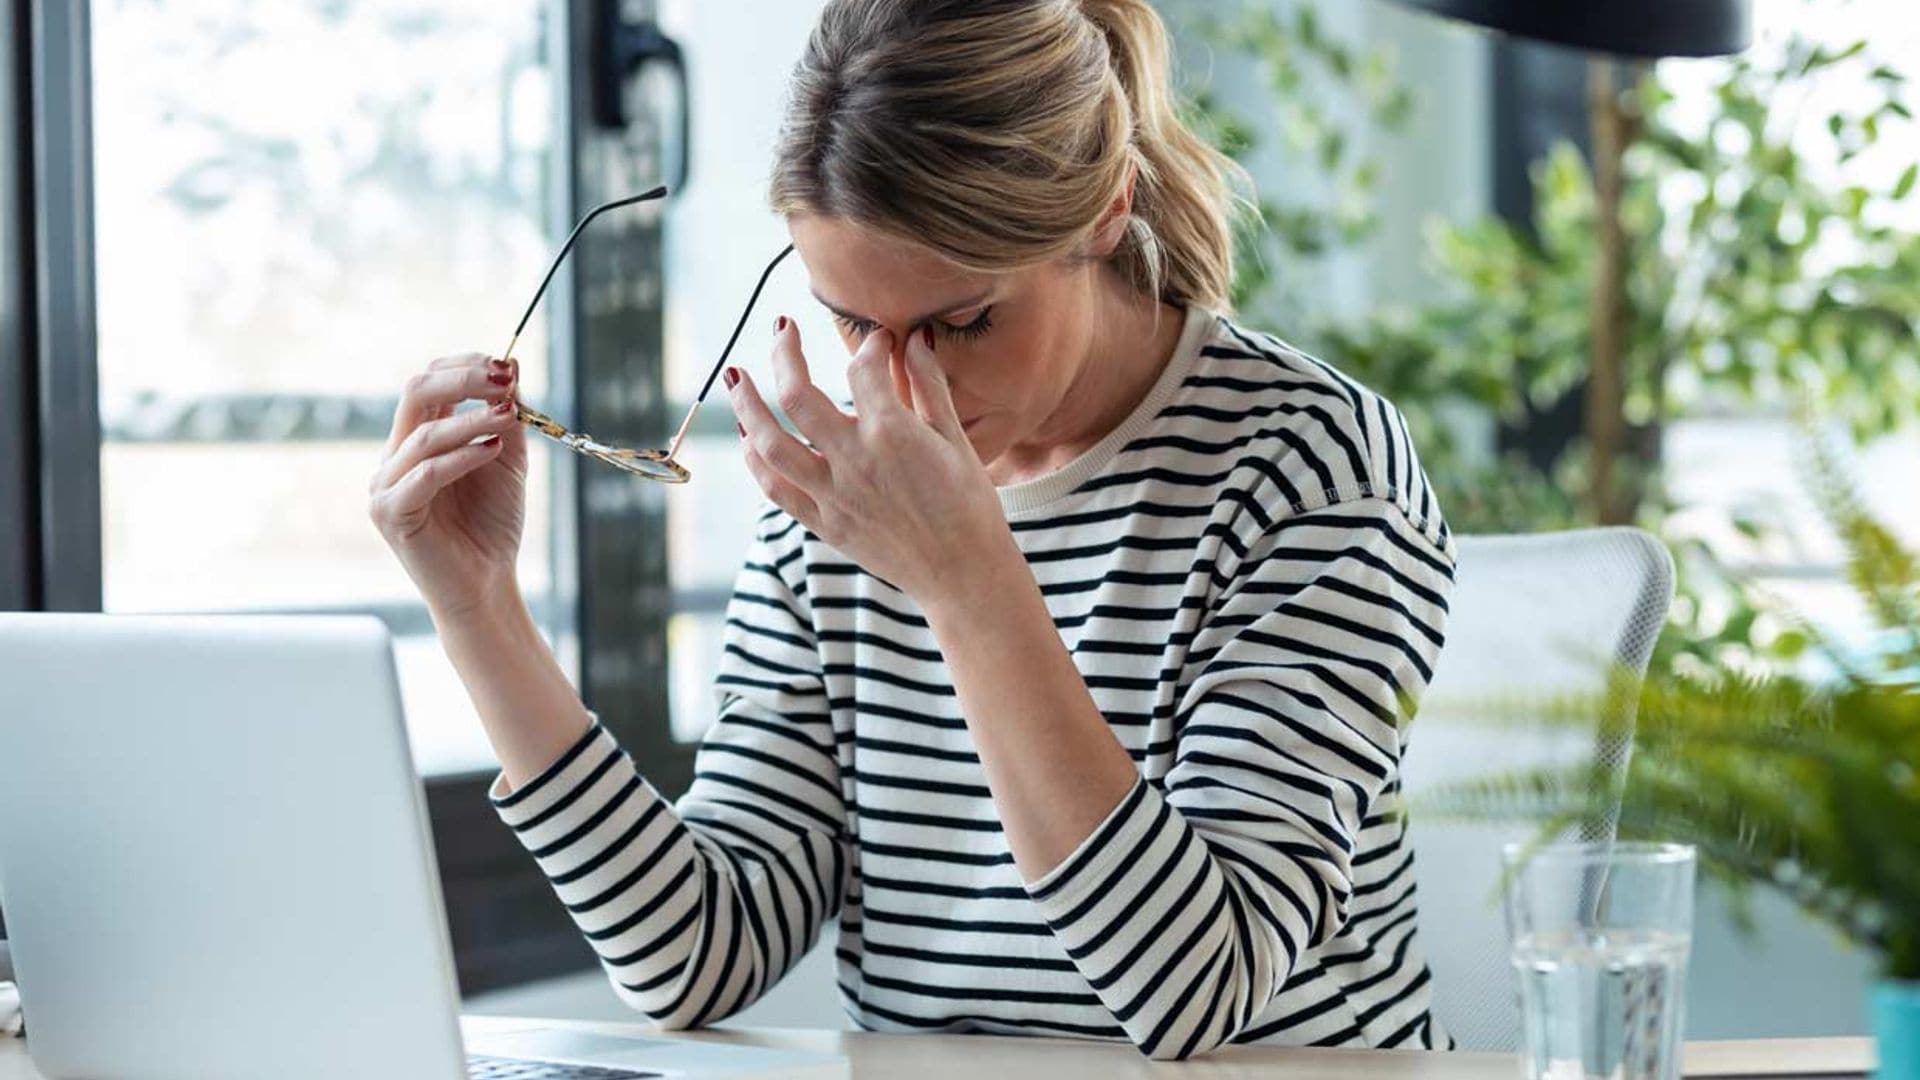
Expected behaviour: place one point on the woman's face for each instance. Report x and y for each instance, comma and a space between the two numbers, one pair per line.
1010, 343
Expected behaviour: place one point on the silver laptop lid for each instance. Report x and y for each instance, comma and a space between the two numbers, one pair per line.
214, 857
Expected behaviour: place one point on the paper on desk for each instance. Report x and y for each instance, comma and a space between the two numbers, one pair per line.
9, 1009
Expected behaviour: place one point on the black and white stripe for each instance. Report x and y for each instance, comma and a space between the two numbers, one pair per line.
1252, 576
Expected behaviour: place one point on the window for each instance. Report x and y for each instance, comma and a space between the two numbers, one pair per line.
719, 238
281, 239
1732, 459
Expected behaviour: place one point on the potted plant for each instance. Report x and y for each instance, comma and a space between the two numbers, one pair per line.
1806, 783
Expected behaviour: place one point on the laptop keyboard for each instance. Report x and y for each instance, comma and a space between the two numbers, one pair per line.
481, 1067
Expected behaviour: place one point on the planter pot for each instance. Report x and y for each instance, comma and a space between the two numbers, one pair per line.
1896, 1027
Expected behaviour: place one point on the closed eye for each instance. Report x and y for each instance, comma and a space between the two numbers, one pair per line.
971, 330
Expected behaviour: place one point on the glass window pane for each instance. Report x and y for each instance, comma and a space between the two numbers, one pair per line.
721, 234
693, 653
719, 239
1731, 459
211, 526
710, 520
297, 206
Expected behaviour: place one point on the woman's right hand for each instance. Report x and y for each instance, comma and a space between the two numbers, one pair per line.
450, 508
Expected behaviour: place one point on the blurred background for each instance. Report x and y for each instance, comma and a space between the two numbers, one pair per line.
263, 217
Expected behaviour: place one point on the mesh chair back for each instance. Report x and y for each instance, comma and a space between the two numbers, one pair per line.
1531, 616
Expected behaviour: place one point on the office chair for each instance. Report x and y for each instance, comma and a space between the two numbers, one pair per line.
1531, 616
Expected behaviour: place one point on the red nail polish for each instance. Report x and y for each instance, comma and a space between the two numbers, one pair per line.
926, 335
780, 325
489, 440
497, 364
499, 378
733, 377
741, 428
503, 406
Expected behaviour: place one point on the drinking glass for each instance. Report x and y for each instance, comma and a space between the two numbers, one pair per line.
1600, 934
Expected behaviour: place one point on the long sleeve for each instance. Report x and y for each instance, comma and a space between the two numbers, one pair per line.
695, 909
1189, 907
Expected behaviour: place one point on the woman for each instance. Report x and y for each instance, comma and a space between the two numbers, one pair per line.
1070, 671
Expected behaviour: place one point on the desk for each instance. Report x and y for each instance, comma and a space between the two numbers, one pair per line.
973, 1057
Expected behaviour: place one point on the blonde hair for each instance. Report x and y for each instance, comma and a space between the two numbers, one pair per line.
998, 133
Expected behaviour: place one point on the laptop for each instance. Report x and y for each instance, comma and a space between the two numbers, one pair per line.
215, 862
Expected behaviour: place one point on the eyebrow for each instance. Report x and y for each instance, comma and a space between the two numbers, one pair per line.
962, 305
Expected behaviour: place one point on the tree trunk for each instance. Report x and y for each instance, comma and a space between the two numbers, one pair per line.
1616, 125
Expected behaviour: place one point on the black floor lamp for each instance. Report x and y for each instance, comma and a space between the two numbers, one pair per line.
1636, 32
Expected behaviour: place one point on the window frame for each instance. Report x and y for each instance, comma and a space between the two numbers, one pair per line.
50, 535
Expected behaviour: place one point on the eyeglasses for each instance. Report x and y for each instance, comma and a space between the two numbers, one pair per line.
653, 464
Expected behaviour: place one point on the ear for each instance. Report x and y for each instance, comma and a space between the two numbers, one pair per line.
1113, 224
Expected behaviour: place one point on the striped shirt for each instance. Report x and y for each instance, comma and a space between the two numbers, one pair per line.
1252, 576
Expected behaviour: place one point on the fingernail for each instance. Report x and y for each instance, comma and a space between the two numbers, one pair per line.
489, 440
503, 406
497, 364
780, 325
733, 377
741, 428
926, 335
499, 378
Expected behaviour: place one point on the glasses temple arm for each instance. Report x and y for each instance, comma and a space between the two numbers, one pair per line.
656, 193
673, 450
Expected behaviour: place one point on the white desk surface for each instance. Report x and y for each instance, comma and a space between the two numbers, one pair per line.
971, 1057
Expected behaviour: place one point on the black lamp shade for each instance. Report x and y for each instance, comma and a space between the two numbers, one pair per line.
1642, 28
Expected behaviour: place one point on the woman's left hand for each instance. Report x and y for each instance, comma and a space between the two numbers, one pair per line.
898, 489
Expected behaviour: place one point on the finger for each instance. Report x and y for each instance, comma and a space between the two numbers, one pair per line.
811, 410
869, 377
785, 493
432, 394
428, 411
932, 398
763, 434
902, 384
441, 435
456, 360
404, 505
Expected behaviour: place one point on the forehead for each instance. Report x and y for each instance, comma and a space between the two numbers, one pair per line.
876, 276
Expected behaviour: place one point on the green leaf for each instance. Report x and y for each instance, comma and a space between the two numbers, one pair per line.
1306, 25
1341, 61
1333, 147
1790, 645
1905, 185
